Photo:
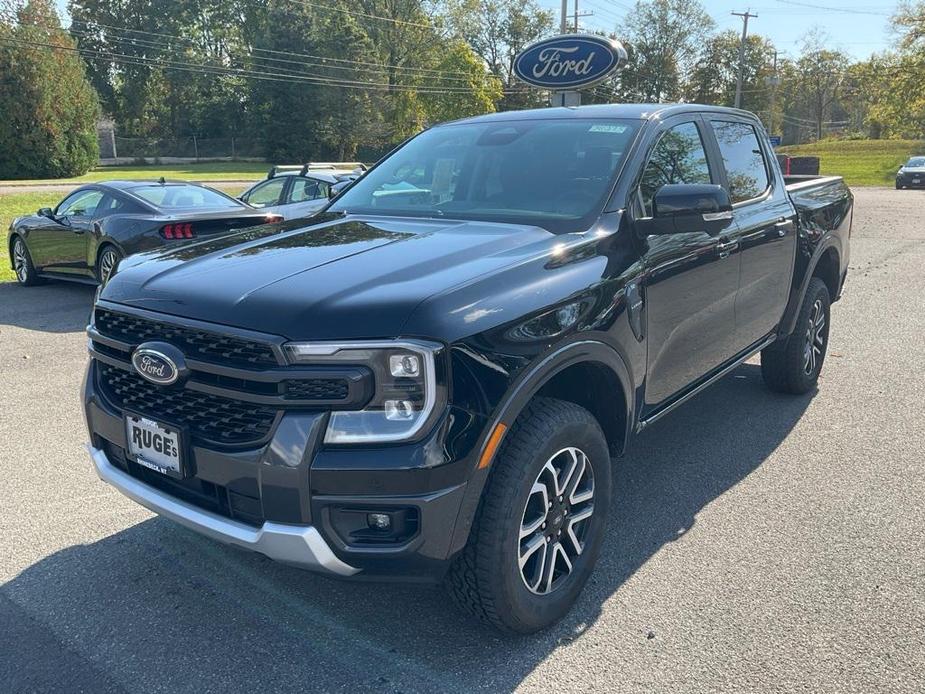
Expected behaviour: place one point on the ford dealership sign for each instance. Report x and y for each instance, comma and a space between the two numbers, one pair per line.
570, 61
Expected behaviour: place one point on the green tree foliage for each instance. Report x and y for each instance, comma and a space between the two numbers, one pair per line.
663, 39
48, 128
497, 30
713, 77
483, 90
892, 82
812, 86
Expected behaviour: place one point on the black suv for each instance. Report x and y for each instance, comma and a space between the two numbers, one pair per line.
429, 379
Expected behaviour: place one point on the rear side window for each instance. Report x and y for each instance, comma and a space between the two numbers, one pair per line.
679, 157
307, 189
746, 169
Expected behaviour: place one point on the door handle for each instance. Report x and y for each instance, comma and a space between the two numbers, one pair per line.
78, 230
724, 249
783, 227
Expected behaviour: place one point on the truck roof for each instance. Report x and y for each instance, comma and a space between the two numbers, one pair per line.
628, 111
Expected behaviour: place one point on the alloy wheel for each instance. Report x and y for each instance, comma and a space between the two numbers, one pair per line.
107, 264
555, 520
20, 264
815, 338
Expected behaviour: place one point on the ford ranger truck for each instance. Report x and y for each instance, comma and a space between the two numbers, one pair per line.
429, 379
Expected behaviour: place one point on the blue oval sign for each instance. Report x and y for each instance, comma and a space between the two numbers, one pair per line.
569, 61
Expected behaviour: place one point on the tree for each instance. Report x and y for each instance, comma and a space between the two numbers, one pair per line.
813, 84
713, 77
663, 39
482, 93
50, 111
497, 30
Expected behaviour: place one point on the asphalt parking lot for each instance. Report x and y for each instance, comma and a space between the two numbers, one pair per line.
758, 542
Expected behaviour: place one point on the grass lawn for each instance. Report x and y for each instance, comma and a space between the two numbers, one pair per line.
209, 171
19, 204
861, 162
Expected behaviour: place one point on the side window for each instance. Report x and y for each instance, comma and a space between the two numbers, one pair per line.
679, 157
746, 169
307, 189
82, 204
110, 205
266, 193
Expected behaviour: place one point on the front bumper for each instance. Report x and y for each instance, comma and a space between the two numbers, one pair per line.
293, 499
298, 545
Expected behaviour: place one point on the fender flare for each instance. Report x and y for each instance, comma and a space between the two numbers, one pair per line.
788, 323
515, 400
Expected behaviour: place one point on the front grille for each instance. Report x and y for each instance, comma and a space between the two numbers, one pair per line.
194, 343
207, 417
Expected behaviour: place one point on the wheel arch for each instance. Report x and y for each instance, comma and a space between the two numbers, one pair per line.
824, 263
102, 245
555, 375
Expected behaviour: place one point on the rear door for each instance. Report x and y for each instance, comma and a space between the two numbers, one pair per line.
765, 227
61, 245
305, 197
690, 281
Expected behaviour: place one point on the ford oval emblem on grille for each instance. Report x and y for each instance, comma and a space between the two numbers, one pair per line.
159, 362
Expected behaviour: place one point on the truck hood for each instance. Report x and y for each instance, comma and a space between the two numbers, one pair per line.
342, 278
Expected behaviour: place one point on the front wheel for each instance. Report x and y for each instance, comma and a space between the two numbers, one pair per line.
26, 273
539, 529
794, 367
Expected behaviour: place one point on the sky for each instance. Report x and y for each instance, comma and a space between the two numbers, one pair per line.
858, 27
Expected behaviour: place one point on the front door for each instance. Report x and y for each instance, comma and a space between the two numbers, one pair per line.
690, 280
765, 226
60, 245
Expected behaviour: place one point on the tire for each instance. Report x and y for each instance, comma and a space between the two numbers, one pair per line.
106, 263
486, 579
794, 367
898, 186
23, 268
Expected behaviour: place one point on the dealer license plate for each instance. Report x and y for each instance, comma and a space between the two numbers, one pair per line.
916, 180
154, 445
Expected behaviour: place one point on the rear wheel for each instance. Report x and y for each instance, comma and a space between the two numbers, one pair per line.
106, 263
25, 271
794, 367
539, 528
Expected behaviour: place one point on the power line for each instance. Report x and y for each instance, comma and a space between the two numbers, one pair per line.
147, 43
120, 58
829, 8
278, 52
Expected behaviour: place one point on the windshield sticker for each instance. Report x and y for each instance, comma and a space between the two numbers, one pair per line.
607, 128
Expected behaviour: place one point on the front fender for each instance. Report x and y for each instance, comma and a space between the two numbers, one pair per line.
522, 390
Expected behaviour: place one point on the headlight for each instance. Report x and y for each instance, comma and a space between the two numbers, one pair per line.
406, 389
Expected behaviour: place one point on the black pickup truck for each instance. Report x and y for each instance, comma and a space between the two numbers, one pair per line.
429, 379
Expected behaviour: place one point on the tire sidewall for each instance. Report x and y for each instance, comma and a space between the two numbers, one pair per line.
99, 261
31, 274
528, 610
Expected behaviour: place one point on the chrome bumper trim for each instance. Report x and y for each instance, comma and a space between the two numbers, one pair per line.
298, 545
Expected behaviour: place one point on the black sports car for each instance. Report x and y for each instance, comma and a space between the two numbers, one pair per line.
92, 229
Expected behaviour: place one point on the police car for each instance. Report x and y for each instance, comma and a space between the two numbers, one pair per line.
300, 190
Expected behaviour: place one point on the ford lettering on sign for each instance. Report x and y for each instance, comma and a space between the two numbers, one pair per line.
159, 363
571, 61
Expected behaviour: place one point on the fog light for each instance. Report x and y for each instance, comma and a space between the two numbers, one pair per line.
407, 365
379, 521
398, 410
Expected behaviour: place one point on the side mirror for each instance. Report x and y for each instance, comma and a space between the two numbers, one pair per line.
680, 208
337, 189
46, 212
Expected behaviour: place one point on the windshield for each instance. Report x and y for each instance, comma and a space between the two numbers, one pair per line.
178, 196
555, 174
916, 161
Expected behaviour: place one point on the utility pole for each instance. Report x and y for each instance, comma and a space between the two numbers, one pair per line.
563, 26
773, 81
745, 17
578, 15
